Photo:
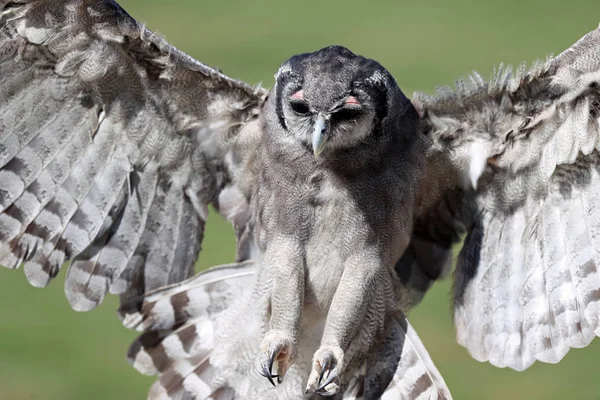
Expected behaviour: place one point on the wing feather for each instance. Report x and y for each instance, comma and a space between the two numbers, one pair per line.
416, 377
181, 324
399, 367
112, 145
522, 152
53, 221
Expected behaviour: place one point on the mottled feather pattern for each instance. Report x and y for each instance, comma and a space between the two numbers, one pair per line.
161, 137
113, 144
100, 162
180, 325
201, 337
541, 297
410, 373
416, 376
527, 285
530, 121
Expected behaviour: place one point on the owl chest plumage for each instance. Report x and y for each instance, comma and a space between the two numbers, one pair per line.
331, 216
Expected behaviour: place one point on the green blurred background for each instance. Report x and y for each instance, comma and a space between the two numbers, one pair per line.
49, 352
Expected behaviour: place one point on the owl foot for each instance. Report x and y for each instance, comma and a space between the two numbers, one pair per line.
324, 377
276, 347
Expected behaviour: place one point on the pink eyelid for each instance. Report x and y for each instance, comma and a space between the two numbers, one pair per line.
352, 100
299, 95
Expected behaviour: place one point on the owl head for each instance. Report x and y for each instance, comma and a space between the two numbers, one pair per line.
332, 99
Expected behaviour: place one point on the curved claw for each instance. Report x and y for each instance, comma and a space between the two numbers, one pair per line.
269, 376
333, 374
325, 365
326, 371
266, 370
276, 349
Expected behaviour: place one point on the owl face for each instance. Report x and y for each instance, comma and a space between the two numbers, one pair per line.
331, 99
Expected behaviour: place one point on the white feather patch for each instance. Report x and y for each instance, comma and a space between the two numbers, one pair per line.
32, 34
478, 155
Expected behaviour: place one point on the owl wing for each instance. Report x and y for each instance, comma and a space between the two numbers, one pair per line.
515, 163
181, 326
112, 145
398, 367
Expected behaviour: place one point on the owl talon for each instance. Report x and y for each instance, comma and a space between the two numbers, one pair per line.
275, 347
333, 374
324, 378
266, 372
325, 366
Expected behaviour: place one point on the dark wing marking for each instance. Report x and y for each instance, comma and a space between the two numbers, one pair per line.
180, 325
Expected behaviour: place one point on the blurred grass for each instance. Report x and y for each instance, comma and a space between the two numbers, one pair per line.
49, 352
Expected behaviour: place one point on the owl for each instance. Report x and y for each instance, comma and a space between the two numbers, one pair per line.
346, 198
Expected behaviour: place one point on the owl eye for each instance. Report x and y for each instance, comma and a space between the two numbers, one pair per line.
347, 113
300, 106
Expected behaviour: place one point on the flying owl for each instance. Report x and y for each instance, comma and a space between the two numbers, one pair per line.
346, 198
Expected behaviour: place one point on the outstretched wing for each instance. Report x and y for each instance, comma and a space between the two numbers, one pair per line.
112, 145
516, 162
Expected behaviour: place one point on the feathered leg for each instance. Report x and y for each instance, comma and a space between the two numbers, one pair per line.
283, 260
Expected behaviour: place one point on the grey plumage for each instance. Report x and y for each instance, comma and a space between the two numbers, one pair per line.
526, 284
99, 165
114, 143
337, 199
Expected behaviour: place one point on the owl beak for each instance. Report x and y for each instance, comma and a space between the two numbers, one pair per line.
319, 136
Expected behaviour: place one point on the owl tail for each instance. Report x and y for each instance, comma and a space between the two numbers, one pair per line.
180, 325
